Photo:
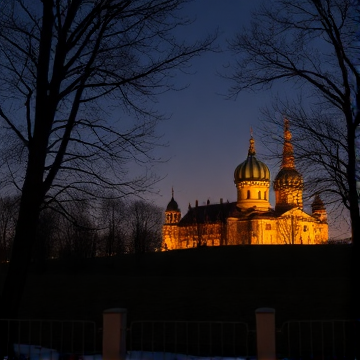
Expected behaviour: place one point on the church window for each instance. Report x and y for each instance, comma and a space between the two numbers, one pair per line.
305, 228
259, 195
248, 194
265, 195
268, 227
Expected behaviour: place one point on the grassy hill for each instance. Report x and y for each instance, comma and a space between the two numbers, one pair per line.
223, 283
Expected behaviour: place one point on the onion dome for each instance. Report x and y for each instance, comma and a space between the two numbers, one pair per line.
288, 177
251, 169
318, 209
172, 205
317, 204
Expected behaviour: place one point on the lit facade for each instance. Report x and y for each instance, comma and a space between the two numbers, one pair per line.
251, 220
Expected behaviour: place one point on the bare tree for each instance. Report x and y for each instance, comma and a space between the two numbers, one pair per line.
313, 44
77, 236
288, 229
320, 145
64, 67
145, 226
8, 213
113, 227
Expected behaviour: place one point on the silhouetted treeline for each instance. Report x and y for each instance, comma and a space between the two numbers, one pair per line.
82, 230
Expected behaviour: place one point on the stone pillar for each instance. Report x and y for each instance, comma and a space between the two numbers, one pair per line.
265, 333
114, 334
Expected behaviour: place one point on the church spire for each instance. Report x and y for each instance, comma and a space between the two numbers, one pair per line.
251, 151
288, 151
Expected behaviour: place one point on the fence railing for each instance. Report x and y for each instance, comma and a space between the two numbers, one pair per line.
319, 339
196, 338
48, 339
65, 340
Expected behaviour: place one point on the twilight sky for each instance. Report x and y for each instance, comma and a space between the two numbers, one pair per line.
208, 135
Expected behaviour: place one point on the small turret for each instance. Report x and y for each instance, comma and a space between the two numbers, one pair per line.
318, 209
172, 212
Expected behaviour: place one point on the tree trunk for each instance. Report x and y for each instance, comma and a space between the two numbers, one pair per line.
25, 235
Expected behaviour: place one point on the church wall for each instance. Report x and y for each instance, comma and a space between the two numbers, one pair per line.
208, 234
238, 232
266, 232
298, 230
280, 231
170, 237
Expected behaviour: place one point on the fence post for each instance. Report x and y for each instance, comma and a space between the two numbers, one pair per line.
265, 333
114, 334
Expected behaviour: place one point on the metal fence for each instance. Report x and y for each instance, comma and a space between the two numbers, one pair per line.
319, 339
196, 338
49, 339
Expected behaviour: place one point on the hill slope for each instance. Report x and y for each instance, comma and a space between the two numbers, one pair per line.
224, 283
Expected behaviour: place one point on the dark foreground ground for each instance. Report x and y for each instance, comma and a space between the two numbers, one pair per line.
227, 283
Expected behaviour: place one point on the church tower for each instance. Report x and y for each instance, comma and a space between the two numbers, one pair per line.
170, 228
288, 184
252, 180
318, 209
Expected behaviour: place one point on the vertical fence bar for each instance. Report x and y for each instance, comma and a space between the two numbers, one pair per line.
299, 329
198, 339
152, 336
187, 338
175, 340
322, 341
210, 338
222, 338
234, 339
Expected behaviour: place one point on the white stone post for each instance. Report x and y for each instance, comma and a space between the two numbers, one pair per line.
114, 334
265, 334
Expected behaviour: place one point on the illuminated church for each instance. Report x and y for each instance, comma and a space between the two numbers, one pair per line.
251, 220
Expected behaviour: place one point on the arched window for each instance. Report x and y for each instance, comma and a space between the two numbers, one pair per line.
248, 194
265, 195
259, 195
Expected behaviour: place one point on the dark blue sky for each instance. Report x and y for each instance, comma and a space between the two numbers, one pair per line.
208, 135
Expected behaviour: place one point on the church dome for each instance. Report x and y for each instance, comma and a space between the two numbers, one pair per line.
251, 169
172, 205
288, 177
317, 204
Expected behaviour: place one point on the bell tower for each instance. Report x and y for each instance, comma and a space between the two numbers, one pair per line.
170, 227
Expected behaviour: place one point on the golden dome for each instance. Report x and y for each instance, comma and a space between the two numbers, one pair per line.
288, 177
172, 205
251, 168
317, 204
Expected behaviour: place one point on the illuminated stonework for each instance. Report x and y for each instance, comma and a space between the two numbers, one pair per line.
251, 220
